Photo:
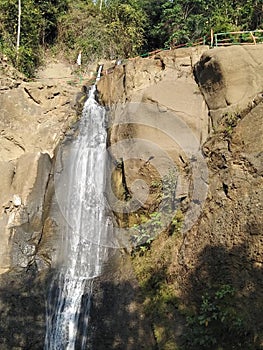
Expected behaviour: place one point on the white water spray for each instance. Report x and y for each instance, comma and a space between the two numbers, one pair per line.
84, 251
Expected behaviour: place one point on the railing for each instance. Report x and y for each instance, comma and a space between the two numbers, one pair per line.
198, 42
251, 37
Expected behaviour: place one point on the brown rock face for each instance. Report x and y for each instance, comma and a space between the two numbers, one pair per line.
230, 79
195, 111
224, 244
34, 117
157, 114
165, 81
23, 211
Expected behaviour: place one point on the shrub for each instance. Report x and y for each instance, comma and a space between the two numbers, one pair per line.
217, 323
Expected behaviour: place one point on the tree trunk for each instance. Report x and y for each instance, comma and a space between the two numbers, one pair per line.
18, 31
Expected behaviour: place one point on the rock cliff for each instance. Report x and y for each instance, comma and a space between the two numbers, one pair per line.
218, 98
184, 124
35, 115
34, 119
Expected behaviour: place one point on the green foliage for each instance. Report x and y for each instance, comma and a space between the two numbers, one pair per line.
145, 233
50, 11
81, 28
166, 217
176, 22
176, 223
154, 38
156, 184
154, 241
118, 29
229, 122
124, 25
168, 191
158, 288
185, 20
216, 324
28, 53
38, 25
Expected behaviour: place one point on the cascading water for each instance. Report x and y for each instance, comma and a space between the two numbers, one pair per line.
85, 235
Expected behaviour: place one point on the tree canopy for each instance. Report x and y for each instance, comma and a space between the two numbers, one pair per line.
116, 28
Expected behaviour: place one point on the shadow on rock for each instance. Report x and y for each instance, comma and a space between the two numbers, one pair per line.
224, 298
22, 308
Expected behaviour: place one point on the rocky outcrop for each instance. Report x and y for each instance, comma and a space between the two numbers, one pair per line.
221, 240
157, 114
230, 79
184, 124
34, 119
164, 80
35, 116
22, 219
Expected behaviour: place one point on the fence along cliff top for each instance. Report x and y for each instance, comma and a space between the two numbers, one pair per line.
250, 37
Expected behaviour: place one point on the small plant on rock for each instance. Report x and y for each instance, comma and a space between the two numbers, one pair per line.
230, 122
216, 324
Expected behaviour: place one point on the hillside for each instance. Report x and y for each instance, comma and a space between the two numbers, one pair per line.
119, 29
200, 273
184, 184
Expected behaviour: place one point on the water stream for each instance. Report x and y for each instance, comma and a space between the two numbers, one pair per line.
80, 193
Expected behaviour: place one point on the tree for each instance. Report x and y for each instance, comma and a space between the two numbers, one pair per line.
51, 11
174, 22
114, 28
153, 11
39, 26
18, 29
114, 31
125, 27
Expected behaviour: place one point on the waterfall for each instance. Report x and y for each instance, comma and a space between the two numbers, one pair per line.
83, 247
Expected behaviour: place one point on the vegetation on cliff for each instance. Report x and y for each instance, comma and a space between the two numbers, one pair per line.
199, 313
115, 28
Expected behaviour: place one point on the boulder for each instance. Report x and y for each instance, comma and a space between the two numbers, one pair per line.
230, 78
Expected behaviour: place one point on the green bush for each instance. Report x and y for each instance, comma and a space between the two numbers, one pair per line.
217, 324
38, 23
114, 32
